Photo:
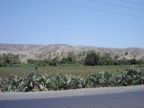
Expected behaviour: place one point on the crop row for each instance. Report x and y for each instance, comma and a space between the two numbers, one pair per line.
37, 82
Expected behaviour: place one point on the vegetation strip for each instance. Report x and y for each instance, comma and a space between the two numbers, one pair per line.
36, 81
86, 58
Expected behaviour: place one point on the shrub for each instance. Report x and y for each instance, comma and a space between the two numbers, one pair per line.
35, 81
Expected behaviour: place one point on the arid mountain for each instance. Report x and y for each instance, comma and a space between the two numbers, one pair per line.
33, 51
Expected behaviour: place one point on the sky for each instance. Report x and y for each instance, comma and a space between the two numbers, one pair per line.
101, 23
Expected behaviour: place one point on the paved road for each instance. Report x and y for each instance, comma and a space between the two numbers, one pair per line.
119, 97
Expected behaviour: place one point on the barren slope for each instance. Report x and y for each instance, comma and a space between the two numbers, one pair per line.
31, 50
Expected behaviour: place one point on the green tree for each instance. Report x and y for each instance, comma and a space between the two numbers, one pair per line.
70, 59
92, 58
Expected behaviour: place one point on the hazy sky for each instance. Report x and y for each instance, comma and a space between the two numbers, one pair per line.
103, 23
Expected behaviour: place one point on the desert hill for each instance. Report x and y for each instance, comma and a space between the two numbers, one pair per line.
32, 51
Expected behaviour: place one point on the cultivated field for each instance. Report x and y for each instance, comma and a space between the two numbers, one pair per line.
73, 70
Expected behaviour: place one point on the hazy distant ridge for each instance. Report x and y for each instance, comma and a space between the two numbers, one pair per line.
30, 49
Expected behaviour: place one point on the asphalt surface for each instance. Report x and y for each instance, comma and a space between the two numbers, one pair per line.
111, 97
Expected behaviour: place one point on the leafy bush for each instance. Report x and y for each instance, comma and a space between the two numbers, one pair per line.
92, 58
35, 81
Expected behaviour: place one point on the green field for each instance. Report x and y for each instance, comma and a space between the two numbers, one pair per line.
74, 70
